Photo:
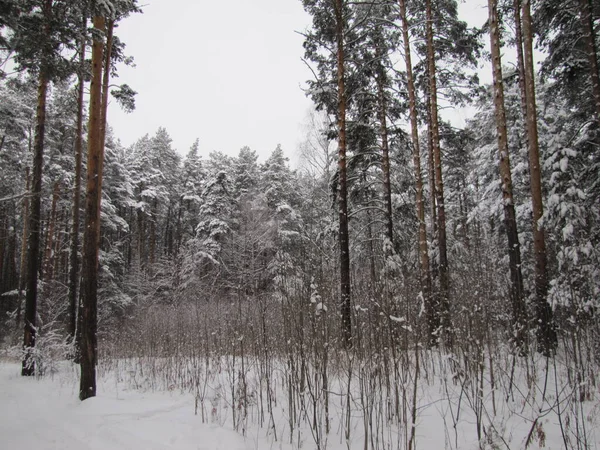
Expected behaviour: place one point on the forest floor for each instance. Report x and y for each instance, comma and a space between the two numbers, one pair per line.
44, 413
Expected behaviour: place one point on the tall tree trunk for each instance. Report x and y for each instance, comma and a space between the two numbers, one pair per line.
61, 265
8, 270
74, 252
444, 296
178, 231
105, 83
23, 264
546, 334
153, 216
433, 204
589, 35
371, 249
343, 188
35, 215
517, 294
519, 51
88, 351
433, 321
141, 231
385, 161
47, 270
168, 239
4, 234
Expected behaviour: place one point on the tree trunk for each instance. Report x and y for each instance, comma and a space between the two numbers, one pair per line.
153, 216
433, 206
444, 296
88, 350
4, 234
587, 25
141, 230
8, 253
47, 269
105, 83
35, 214
23, 264
74, 256
343, 188
520, 63
517, 294
425, 275
546, 334
385, 162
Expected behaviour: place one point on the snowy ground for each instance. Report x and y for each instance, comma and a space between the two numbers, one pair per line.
45, 413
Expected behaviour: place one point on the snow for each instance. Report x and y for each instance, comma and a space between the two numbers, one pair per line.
453, 406
46, 414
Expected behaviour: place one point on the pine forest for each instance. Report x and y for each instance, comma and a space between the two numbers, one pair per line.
408, 282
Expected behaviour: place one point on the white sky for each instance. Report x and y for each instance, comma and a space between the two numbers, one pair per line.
226, 72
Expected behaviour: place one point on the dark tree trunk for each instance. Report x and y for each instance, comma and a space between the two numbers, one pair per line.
3, 245
8, 250
35, 215
432, 206
425, 275
546, 334
23, 263
385, 161
153, 216
141, 231
444, 295
587, 25
520, 62
88, 350
517, 294
105, 83
47, 268
343, 188
74, 255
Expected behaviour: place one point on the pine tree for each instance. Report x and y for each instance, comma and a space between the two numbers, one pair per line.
514, 250
545, 328
444, 297
425, 274
330, 25
89, 308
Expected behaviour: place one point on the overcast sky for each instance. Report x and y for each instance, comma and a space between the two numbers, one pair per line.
226, 72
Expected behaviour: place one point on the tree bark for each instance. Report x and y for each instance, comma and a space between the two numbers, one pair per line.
587, 25
433, 322
153, 218
343, 188
74, 256
47, 269
385, 161
546, 334
517, 294
35, 214
23, 264
4, 238
105, 83
444, 296
519, 51
88, 351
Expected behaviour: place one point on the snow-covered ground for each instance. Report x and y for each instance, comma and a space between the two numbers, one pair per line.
46, 414
131, 413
